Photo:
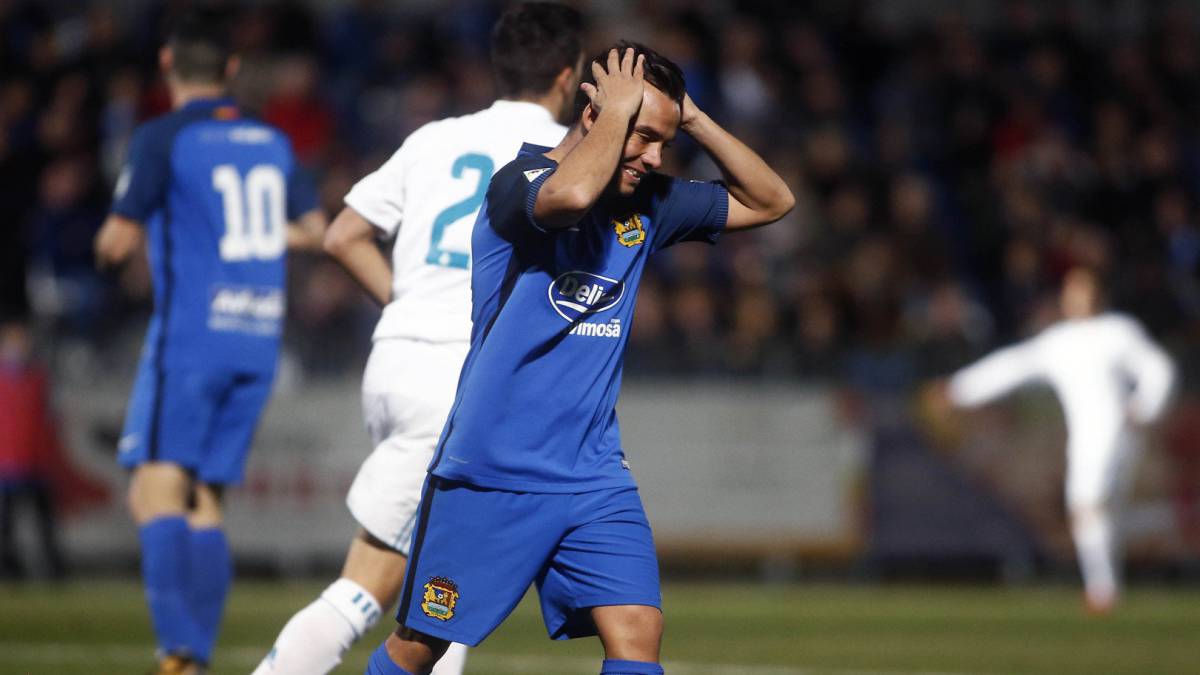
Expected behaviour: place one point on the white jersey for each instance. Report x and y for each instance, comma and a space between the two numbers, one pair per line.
1105, 370
433, 186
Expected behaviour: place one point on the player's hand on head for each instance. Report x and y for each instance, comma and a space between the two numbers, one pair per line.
619, 85
688, 112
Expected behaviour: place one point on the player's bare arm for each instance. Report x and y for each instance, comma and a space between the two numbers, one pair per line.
587, 169
351, 241
307, 232
757, 195
117, 241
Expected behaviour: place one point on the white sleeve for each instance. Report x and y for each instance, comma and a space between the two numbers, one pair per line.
996, 375
379, 196
1153, 374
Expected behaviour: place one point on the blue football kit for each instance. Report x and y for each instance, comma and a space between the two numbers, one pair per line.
215, 191
529, 484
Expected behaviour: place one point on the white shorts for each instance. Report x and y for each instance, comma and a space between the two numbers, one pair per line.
408, 389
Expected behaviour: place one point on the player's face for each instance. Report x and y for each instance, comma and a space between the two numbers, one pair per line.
652, 132
1080, 296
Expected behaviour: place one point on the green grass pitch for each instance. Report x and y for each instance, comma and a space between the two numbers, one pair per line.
712, 629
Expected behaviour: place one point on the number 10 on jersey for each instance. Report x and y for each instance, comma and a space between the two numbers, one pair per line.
255, 225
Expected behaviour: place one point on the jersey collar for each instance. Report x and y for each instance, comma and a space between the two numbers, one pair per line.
534, 149
206, 103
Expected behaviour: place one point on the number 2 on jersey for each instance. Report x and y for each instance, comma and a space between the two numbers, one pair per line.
254, 217
457, 259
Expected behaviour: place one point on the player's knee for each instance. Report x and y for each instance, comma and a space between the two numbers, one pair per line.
1086, 512
414, 651
156, 491
206, 510
630, 631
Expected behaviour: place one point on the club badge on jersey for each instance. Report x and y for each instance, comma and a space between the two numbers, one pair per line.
441, 595
630, 231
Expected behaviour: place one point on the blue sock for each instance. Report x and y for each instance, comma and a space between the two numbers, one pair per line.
211, 573
381, 664
622, 667
164, 575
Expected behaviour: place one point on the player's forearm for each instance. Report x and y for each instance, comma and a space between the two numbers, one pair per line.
351, 241
1155, 384
117, 241
367, 266
749, 179
583, 174
307, 232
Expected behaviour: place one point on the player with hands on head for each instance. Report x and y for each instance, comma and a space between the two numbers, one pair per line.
218, 198
425, 196
531, 452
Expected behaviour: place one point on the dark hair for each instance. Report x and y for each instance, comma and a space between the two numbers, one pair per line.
199, 42
658, 71
531, 44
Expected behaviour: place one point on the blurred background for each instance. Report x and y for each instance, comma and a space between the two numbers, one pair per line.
951, 161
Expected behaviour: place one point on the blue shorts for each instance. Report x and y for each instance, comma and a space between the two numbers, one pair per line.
476, 551
202, 420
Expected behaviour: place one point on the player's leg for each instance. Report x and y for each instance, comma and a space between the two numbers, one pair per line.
603, 580
408, 388
315, 638
210, 567
158, 502
240, 398
1096, 485
165, 431
631, 635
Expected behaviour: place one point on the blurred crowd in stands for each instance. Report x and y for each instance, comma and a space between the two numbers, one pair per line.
949, 167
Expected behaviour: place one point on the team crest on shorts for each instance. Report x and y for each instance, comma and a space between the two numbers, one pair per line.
441, 594
630, 231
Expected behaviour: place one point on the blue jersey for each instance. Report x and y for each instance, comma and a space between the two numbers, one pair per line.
535, 409
215, 192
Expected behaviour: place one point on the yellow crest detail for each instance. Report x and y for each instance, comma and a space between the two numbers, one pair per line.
630, 231
441, 594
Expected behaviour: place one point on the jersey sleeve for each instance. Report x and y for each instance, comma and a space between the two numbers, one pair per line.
380, 195
301, 193
1153, 374
142, 186
688, 210
511, 196
997, 374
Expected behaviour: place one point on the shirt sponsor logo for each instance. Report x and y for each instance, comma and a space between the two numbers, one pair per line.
246, 309
612, 329
577, 294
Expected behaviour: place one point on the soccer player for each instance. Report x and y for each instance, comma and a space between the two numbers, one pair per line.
529, 483
1111, 379
426, 196
212, 193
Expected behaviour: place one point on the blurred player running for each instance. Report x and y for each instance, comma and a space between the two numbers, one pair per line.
1110, 378
426, 195
530, 484
212, 193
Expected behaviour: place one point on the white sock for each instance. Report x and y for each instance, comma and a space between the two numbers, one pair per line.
316, 637
1095, 545
452, 662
